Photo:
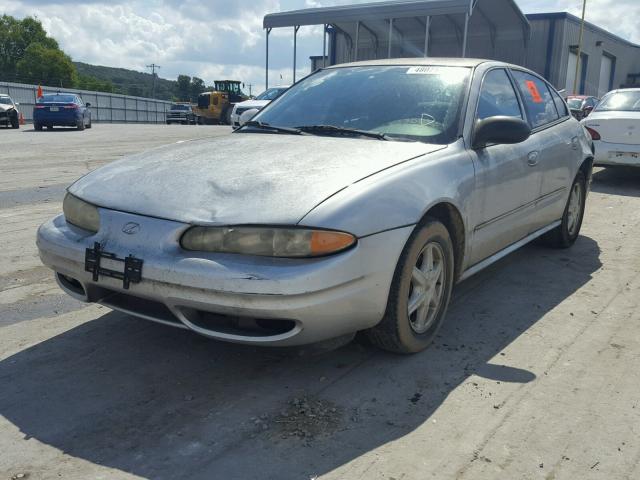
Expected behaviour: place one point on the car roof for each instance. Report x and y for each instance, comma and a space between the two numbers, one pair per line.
435, 61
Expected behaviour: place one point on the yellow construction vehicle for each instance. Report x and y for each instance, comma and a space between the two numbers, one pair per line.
215, 107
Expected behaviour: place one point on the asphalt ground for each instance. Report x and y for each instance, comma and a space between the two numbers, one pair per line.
534, 375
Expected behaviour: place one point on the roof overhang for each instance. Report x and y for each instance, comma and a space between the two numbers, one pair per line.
368, 12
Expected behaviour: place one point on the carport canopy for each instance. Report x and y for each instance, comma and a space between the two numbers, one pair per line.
380, 29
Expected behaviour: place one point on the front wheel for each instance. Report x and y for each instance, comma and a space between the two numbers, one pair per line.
420, 292
15, 122
566, 234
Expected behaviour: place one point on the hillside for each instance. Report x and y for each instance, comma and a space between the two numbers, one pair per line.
129, 82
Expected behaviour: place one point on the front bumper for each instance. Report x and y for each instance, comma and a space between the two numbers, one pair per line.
616, 154
225, 296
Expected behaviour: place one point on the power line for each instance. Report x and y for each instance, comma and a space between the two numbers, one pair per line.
153, 67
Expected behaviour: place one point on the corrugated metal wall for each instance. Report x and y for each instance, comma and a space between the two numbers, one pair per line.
105, 107
552, 60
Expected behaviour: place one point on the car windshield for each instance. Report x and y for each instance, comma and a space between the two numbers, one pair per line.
574, 103
57, 98
420, 103
271, 94
620, 101
180, 107
5, 101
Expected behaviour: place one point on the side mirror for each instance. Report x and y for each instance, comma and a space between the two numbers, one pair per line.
87, 104
16, 104
248, 115
500, 130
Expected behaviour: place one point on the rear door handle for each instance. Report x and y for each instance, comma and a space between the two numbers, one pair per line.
532, 158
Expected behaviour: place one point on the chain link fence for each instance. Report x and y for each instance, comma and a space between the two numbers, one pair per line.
105, 107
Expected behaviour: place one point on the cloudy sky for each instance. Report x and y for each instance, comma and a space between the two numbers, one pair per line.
216, 39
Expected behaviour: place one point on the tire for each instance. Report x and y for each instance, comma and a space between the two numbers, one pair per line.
49, 127
89, 124
37, 127
81, 124
566, 234
227, 116
15, 122
399, 331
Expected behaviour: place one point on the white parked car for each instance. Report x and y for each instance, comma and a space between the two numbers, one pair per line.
258, 103
614, 126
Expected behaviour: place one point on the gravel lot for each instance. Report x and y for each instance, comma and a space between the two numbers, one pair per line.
534, 376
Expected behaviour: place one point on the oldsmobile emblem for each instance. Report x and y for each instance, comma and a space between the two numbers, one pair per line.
131, 228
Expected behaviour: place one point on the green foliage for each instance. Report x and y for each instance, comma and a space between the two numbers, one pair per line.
87, 82
130, 82
15, 38
47, 66
183, 88
197, 87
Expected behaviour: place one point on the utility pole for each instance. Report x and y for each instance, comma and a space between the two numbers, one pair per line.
579, 62
153, 68
250, 87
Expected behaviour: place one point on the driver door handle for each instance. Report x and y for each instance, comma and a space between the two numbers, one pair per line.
532, 158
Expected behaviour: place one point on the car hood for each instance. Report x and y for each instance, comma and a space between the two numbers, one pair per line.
253, 104
243, 178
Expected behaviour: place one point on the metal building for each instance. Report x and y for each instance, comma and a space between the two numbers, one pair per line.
494, 29
607, 61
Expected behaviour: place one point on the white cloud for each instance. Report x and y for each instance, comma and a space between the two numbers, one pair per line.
218, 39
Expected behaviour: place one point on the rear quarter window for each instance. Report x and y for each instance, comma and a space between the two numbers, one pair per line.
538, 101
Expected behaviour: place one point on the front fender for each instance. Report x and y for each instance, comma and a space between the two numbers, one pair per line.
399, 196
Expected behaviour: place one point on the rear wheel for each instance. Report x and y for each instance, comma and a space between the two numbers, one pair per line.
49, 127
37, 127
420, 292
566, 234
80, 124
89, 124
227, 116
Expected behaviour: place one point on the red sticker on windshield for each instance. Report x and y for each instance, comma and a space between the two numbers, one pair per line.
533, 90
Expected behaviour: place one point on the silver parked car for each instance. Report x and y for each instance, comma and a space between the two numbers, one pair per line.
353, 202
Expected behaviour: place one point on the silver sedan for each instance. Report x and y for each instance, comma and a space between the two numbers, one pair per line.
353, 202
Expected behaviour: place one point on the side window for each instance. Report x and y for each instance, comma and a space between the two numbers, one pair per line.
541, 108
497, 97
79, 101
561, 106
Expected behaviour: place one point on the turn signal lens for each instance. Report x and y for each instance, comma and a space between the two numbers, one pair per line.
266, 241
594, 134
81, 214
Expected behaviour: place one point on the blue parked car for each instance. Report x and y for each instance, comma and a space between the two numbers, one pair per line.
61, 109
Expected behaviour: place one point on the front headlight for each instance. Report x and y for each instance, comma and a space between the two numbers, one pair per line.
81, 214
267, 241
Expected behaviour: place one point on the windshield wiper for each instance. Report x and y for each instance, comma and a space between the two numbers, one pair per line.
273, 128
332, 129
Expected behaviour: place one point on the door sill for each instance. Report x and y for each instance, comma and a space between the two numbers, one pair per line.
510, 249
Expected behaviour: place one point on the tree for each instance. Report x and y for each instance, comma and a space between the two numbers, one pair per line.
184, 88
15, 38
47, 66
197, 87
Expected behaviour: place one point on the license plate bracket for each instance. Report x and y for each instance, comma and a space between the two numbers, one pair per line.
132, 271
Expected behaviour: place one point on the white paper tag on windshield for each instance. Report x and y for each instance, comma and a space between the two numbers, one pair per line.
424, 70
